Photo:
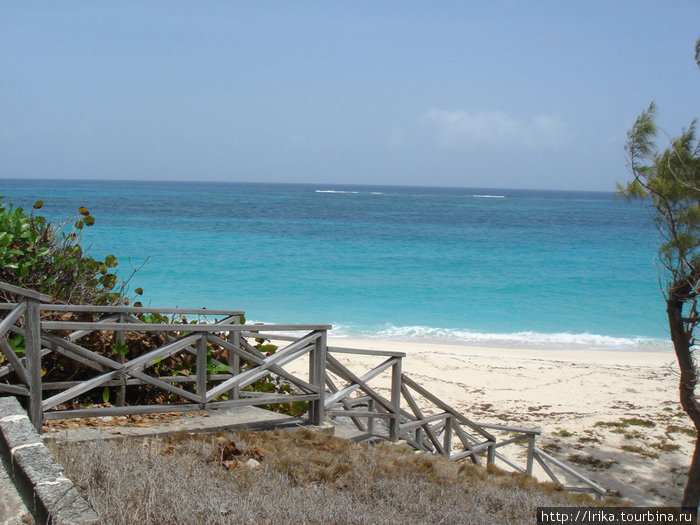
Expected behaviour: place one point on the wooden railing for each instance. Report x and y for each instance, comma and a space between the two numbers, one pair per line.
409, 412
210, 390
430, 425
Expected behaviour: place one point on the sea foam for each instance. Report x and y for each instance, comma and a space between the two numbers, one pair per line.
526, 339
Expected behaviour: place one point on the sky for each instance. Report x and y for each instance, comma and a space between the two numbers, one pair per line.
495, 94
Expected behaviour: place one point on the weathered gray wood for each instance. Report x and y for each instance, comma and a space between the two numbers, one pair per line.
337, 368
75, 357
136, 310
234, 360
359, 413
530, 453
14, 361
148, 327
29, 294
447, 408
32, 349
82, 333
395, 399
11, 319
18, 390
346, 391
146, 379
82, 352
279, 358
253, 354
411, 425
359, 351
345, 403
317, 376
547, 470
539, 453
508, 428
120, 340
202, 368
510, 441
419, 417
507, 461
81, 388
447, 444
7, 369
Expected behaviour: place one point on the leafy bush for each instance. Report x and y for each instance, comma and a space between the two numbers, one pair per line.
42, 256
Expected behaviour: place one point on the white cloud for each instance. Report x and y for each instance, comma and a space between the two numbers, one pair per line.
458, 129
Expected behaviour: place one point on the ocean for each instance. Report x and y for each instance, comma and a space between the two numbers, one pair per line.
452, 265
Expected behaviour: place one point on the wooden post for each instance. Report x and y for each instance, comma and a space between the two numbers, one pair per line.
202, 369
447, 442
317, 377
370, 420
120, 339
395, 400
234, 360
32, 345
530, 452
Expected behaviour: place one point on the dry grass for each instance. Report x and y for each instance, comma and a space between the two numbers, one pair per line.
303, 477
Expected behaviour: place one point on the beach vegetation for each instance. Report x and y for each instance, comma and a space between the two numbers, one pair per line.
562, 432
668, 181
591, 461
637, 449
40, 255
297, 476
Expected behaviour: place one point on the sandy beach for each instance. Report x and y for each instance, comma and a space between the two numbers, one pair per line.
613, 414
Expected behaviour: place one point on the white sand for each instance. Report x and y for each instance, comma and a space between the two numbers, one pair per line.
561, 392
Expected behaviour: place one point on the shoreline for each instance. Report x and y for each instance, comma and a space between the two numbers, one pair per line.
614, 415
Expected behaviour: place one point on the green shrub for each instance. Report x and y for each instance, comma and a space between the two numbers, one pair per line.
42, 256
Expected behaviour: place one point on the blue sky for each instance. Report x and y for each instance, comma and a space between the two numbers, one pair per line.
535, 94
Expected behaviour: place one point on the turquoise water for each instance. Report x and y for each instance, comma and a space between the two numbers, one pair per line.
455, 265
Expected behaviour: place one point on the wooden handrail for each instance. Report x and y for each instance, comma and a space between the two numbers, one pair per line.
30, 294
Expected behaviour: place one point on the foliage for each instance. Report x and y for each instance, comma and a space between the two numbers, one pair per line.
669, 181
41, 256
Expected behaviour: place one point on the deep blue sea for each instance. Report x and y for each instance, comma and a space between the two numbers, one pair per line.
454, 265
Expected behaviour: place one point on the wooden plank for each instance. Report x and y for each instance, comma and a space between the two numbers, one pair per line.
346, 404
395, 399
18, 390
137, 310
15, 361
82, 333
81, 388
75, 357
280, 358
145, 378
83, 352
337, 368
517, 468
11, 319
29, 294
148, 327
411, 425
447, 408
539, 453
32, 349
7, 369
359, 351
547, 470
359, 413
510, 441
346, 391
202, 368
419, 417
258, 357
507, 428
317, 376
